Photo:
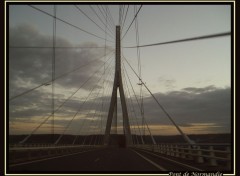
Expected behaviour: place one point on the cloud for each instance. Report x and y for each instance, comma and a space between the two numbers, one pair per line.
196, 106
168, 83
199, 90
29, 67
199, 110
205, 112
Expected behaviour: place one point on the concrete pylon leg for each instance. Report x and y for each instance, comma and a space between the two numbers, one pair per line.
110, 115
126, 126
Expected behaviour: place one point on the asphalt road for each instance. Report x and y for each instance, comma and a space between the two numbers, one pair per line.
107, 160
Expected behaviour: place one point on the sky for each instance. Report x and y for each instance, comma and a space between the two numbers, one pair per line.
192, 80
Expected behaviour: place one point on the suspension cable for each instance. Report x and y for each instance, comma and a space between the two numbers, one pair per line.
94, 11
67, 23
60, 76
110, 19
101, 114
53, 67
132, 21
93, 115
104, 66
56, 47
185, 40
108, 94
134, 112
80, 129
45, 120
139, 70
80, 107
85, 119
99, 9
92, 20
110, 16
144, 121
163, 109
125, 18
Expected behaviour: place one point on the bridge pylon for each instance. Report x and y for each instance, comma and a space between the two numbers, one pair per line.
113, 104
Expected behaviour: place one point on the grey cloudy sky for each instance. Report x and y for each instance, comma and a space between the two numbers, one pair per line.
192, 80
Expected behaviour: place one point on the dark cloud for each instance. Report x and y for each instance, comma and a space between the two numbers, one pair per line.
206, 108
200, 105
33, 66
209, 110
209, 106
30, 67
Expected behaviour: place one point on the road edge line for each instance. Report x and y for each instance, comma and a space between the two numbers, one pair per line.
153, 163
35, 161
186, 165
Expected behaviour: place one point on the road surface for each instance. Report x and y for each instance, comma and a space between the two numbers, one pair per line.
104, 160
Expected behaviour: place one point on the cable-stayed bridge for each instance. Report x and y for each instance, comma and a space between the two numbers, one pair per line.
96, 137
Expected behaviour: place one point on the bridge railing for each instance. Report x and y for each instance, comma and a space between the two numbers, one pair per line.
27, 152
213, 154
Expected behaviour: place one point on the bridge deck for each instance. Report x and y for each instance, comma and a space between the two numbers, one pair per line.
100, 160
104, 160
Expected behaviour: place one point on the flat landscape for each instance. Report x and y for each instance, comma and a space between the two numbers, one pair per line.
95, 139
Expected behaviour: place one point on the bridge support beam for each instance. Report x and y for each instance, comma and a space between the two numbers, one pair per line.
118, 84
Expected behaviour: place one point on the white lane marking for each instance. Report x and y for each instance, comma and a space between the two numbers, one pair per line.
96, 160
174, 161
35, 161
153, 163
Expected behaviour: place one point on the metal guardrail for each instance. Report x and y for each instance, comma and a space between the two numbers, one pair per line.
213, 154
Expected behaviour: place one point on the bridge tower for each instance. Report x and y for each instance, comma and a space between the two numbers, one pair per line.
113, 104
